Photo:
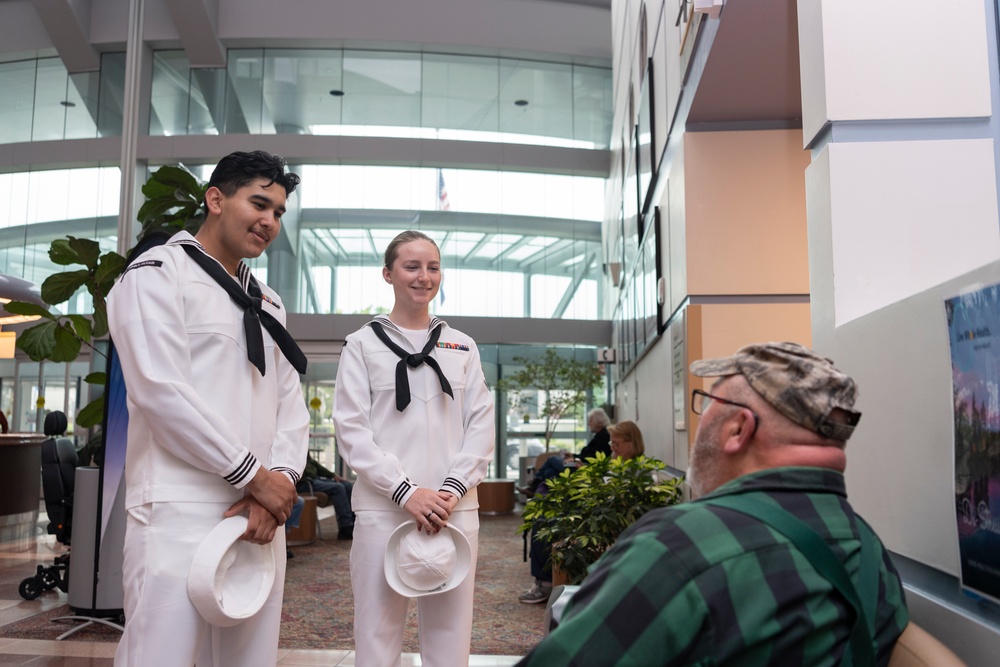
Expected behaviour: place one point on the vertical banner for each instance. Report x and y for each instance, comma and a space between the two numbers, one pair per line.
974, 336
115, 437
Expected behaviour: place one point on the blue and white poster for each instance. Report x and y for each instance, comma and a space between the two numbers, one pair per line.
974, 336
115, 437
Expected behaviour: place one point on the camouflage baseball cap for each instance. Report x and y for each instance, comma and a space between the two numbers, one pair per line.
796, 381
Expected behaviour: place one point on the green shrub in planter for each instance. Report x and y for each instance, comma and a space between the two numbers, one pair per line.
585, 510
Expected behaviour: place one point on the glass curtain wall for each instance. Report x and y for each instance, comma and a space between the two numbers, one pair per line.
512, 244
42, 102
384, 94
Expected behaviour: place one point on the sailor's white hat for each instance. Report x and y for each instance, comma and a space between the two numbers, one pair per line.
418, 563
230, 579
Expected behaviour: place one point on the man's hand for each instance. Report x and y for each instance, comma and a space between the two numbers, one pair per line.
275, 492
261, 524
431, 509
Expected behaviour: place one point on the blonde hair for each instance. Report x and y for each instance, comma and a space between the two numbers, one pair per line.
629, 432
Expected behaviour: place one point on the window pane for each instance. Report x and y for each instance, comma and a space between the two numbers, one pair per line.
17, 80
547, 90
297, 89
109, 119
50, 93
460, 92
245, 113
592, 106
381, 89
82, 98
170, 94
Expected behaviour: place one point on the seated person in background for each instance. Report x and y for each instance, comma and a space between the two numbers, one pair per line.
703, 584
626, 443
597, 422
318, 479
626, 440
551, 467
293, 520
4, 426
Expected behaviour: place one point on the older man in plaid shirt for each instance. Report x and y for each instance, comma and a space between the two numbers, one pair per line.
705, 584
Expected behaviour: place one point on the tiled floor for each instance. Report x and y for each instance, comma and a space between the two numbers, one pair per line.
19, 560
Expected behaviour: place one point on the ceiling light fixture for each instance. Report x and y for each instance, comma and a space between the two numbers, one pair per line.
67, 103
520, 103
337, 93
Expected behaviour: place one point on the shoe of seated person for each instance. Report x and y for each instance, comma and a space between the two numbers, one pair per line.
537, 595
346, 533
528, 492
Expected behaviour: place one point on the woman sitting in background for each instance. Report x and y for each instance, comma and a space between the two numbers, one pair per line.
626, 440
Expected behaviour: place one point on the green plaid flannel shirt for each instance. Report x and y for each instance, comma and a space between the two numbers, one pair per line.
701, 585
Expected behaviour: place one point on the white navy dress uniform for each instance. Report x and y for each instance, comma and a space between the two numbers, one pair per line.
437, 441
202, 421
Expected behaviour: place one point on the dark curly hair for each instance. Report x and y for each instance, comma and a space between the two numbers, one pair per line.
239, 169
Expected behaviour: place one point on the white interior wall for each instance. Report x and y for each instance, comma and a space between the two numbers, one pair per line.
908, 215
892, 59
901, 214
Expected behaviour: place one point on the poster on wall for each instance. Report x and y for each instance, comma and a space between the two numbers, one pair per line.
974, 335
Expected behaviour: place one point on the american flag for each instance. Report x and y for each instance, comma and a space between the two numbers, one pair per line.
442, 203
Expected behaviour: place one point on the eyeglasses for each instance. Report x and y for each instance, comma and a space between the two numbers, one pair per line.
700, 400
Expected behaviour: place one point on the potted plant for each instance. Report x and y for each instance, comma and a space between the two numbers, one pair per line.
586, 510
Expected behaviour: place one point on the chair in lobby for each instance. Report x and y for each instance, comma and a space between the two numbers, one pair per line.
59, 461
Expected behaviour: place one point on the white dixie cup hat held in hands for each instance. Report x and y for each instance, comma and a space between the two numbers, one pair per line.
419, 563
230, 579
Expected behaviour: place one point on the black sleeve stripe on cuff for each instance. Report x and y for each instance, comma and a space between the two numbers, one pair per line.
241, 472
401, 491
292, 473
452, 483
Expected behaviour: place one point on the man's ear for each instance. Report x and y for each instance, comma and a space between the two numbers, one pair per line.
213, 200
739, 429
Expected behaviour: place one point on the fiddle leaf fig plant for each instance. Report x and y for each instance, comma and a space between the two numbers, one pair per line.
174, 198
584, 511
60, 337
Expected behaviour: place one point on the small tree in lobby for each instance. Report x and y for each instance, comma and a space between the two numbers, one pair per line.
565, 383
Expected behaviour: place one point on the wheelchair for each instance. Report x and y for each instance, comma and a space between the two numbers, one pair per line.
59, 461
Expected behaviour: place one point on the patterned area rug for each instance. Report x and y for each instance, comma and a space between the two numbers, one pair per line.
318, 607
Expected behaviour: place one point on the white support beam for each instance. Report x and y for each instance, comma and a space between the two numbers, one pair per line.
197, 23
68, 26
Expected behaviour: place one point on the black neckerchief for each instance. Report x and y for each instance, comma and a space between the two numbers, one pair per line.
253, 314
413, 360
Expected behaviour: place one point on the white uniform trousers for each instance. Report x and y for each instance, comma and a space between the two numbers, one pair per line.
445, 619
162, 627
